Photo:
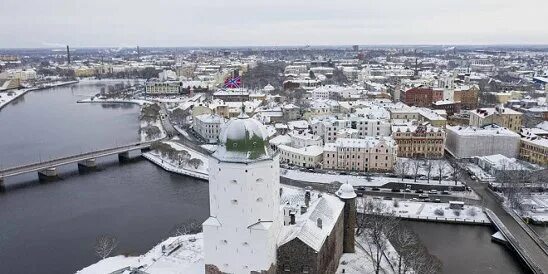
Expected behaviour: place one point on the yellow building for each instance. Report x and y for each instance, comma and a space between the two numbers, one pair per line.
500, 116
419, 141
534, 150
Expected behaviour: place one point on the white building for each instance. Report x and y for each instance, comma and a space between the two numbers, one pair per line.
367, 154
167, 75
467, 142
208, 126
303, 157
301, 139
330, 127
240, 236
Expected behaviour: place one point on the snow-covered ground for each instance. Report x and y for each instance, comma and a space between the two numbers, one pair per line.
5, 99
181, 255
426, 211
536, 206
173, 166
361, 261
423, 169
355, 180
479, 172
114, 100
156, 123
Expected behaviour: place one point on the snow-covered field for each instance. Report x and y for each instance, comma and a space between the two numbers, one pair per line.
479, 172
426, 211
361, 261
156, 123
5, 99
537, 207
436, 165
182, 255
173, 166
355, 180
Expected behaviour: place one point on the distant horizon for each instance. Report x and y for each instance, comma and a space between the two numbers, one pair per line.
300, 46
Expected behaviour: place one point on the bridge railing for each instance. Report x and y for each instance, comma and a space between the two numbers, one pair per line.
136, 145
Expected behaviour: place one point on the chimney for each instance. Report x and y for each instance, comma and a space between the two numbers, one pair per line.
303, 209
68, 55
292, 218
281, 191
307, 198
319, 223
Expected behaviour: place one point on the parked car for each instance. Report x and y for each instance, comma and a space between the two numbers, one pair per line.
423, 196
396, 190
407, 190
445, 192
375, 189
433, 191
419, 191
387, 198
437, 201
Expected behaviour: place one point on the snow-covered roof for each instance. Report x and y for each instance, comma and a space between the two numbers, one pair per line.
327, 209
489, 130
312, 151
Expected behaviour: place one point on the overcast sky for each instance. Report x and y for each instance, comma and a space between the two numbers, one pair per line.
126, 23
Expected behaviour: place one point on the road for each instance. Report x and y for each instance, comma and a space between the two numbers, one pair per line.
537, 254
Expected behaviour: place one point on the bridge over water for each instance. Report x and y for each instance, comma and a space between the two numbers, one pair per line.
47, 169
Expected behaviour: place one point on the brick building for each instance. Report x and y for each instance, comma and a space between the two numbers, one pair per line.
468, 97
419, 141
421, 96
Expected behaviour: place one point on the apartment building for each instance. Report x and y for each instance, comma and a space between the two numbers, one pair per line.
419, 141
208, 126
499, 115
367, 154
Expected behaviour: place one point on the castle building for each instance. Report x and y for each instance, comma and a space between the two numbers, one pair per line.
240, 236
256, 228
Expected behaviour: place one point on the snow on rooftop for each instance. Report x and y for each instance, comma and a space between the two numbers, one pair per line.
327, 209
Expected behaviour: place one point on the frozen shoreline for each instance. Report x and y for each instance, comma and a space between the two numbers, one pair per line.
6, 100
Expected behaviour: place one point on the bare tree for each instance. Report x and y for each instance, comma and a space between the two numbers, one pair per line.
377, 227
429, 166
416, 165
191, 227
104, 245
405, 242
440, 167
401, 168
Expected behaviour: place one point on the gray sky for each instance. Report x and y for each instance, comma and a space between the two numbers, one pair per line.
119, 23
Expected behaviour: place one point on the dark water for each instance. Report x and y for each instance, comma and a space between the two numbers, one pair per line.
51, 228
466, 248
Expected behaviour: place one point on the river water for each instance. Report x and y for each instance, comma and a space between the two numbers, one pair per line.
51, 228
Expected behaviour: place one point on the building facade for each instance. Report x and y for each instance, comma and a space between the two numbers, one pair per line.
419, 141
499, 115
307, 157
367, 154
467, 142
240, 236
208, 126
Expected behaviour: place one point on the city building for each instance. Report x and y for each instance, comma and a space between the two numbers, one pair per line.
307, 157
231, 95
419, 141
367, 154
467, 142
255, 226
240, 236
534, 146
163, 88
499, 115
329, 127
303, 138
208, 126
421, 96
468, 96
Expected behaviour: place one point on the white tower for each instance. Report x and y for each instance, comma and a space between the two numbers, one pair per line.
240, 236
